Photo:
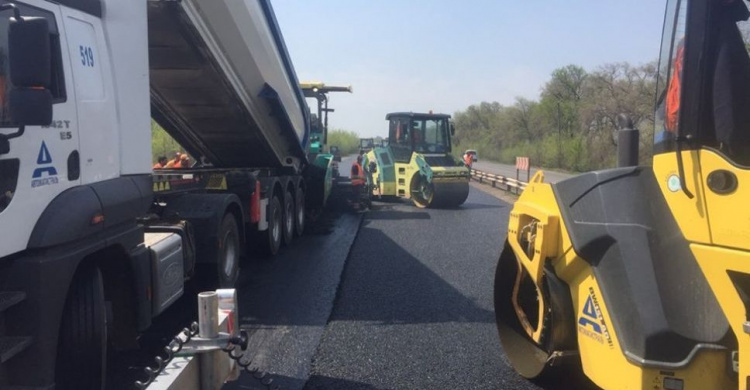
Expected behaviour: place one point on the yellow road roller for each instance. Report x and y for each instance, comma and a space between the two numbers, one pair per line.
639, 277
417, 163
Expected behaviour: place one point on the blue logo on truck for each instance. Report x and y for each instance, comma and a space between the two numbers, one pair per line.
46, 173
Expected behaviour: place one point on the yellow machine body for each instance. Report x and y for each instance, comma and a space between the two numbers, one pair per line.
601, 355
402, 179
422, 171
639, 277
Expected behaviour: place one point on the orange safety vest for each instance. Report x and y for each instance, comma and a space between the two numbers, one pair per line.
674, 91
467, 160
357, 175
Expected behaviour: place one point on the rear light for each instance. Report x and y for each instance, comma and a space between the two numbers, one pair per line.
97, 219
255, 204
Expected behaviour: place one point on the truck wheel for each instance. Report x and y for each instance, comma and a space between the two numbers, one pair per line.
289, 217
228, 256
271, 238
82, 347
299, 227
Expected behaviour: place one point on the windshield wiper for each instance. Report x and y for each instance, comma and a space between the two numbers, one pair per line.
680, 165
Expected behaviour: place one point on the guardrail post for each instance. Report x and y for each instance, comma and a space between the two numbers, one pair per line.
208, 327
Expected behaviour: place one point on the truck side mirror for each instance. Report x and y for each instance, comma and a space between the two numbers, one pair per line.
453, 129
30, 100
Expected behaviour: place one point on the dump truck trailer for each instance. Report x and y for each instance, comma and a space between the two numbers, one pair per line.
94, 244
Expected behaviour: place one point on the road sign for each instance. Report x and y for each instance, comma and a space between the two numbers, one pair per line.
522, 163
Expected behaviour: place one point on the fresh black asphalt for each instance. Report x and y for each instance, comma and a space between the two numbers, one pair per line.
414, 309
395, 298
407, 304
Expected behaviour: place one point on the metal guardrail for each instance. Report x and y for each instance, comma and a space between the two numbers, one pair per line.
498, 180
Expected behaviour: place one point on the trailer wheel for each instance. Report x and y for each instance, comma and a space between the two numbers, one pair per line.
299, 227
289, 217
271, 238
82, 347
228, 256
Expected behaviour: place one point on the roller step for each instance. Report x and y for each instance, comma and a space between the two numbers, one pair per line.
12, 346
10, 298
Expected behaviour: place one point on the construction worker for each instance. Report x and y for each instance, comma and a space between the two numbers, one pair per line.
171, 164
674, 91
161, 163
468, 160
184, 162
357, 175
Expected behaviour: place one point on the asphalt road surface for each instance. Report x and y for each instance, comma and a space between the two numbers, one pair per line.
510, 171
394, 298
407, 305
414, 309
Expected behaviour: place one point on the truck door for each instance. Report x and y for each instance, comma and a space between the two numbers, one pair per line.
43, 162
97, 120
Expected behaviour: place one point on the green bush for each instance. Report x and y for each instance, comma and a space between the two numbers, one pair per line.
162, 144
347, 141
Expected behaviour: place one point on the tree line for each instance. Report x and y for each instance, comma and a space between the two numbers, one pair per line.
573, 124
347, 141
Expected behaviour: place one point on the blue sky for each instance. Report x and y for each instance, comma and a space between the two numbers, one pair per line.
440, 55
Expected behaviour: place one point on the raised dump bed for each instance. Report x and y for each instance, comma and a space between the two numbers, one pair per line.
222, 83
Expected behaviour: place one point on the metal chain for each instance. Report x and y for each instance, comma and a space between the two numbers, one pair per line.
261, 376
174, 347
177, 343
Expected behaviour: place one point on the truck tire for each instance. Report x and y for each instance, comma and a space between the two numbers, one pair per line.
299, 221
270, 240
289, 217
82, 346
228, 255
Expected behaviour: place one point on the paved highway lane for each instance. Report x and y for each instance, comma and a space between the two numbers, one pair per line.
414, 309
510, 171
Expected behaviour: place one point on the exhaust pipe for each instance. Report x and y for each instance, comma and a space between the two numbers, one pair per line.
627, 142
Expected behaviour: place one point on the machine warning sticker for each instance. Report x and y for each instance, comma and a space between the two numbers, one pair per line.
45, 174
591, 321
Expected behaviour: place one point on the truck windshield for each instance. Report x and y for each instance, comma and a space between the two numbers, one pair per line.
430, 135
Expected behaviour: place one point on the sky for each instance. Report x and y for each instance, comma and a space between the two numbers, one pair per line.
441, 55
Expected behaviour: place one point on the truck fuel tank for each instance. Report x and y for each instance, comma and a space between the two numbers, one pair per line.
167, 269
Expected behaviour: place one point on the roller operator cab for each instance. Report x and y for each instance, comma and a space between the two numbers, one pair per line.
366, 145
417, 163
640, 276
